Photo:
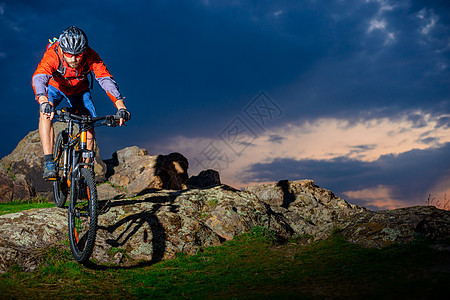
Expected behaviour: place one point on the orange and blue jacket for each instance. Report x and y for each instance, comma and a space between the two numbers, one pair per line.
69, 80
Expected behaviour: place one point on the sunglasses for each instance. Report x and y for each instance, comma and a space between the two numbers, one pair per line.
73, 55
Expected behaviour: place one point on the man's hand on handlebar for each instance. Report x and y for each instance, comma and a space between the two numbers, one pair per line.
122, 112
124, 115
46, 108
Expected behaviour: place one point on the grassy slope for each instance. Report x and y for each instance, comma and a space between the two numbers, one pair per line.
16, 206
251, 266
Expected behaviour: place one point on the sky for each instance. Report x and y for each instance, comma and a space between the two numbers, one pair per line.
354, 95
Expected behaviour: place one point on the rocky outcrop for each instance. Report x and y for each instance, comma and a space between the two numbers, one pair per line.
384, 228
24, 234
306, 208
15, 186
6, 186
135, 170
204, 179
157, 224
152, 226
132, 171
25, 166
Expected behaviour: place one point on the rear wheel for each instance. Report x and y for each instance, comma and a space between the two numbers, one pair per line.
83, 215
60, 185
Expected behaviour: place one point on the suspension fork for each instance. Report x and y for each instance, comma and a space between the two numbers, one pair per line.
66, 165
83, 139
87, 155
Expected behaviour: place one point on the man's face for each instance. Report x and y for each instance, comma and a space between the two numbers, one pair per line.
72, 60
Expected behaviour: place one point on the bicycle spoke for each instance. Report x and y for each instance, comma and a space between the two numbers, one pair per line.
83, 216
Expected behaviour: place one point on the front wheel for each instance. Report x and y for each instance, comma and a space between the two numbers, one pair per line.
83, 215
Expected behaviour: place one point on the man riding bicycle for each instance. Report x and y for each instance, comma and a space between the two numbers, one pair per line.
62, 74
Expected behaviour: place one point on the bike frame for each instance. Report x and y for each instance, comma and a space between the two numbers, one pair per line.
73, 152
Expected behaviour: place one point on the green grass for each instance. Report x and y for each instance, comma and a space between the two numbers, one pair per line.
251, 266
19, 205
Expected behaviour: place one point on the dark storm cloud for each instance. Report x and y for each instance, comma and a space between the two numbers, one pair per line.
443, 122
410, 174
417, 120
373, 72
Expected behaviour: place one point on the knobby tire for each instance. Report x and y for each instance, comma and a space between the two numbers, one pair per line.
60, 187
83, 215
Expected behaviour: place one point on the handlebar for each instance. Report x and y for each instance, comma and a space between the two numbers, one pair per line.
110, 120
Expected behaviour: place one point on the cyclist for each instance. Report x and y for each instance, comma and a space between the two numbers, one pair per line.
62, 74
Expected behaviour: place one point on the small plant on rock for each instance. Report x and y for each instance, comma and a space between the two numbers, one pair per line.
264, 232
213, 202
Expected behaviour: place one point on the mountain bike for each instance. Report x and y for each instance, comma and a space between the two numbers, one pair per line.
75, 176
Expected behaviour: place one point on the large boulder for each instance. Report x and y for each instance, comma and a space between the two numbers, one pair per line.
150, 228
137, 171
27, 159
378, 229
307, 208
204, 179
26, 164
228, 211
15, 186
6, 186
24, 234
